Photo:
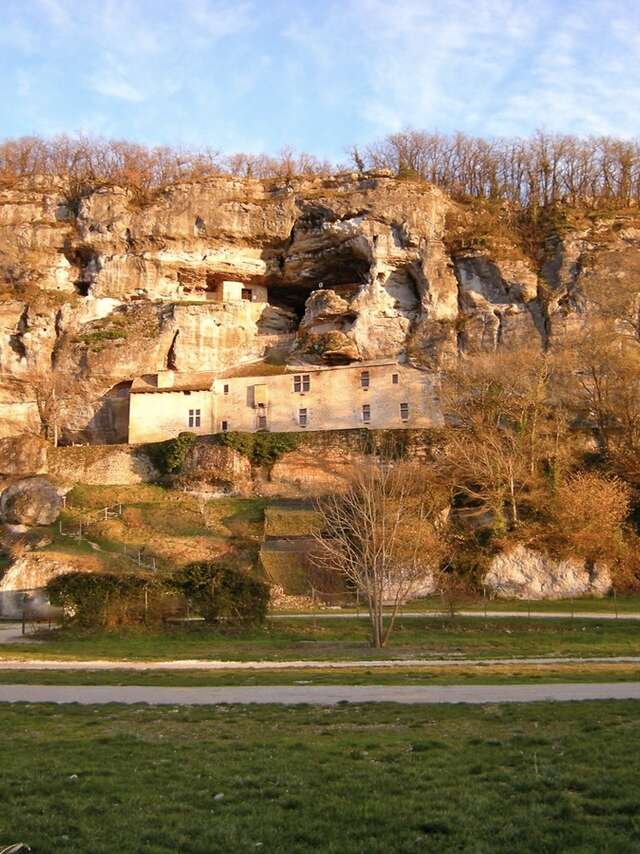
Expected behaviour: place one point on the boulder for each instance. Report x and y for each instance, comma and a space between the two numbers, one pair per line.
222, 468
523, 573
21, 456
23, 585
32, 501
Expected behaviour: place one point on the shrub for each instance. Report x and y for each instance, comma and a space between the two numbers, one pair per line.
100, 599
168, 457
222, 592
260, 448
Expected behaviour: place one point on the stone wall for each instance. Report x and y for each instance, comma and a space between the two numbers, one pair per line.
105, 465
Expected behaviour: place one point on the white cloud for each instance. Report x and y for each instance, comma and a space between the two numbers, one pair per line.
57, 12
115, 87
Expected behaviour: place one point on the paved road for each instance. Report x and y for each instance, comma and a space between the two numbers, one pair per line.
217, 664
325, 695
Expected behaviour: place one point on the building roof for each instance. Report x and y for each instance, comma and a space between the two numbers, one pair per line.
203, 380
264, 369
182, 381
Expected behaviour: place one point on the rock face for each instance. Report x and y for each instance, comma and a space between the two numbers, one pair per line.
32, 501
22, 585
526, 574
356, 266
23, 455
214, 468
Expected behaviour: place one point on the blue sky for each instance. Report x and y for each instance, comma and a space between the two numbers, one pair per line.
255, 75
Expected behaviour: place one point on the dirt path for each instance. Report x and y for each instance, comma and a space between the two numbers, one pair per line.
325, 695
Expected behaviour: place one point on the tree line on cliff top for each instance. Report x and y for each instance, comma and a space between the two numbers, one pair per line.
531, 172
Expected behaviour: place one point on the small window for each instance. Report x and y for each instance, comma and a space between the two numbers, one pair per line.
364, 379
394, 379
247, 294
366, 413
302, 417
225, 426
301, 383
194, 418
404, 411
225, 388
262, 422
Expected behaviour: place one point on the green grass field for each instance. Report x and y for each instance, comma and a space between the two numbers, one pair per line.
348, 639
473, 674
377, 778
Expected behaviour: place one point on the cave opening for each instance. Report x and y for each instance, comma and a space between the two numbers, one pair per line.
87, 260
82, 288
291, 297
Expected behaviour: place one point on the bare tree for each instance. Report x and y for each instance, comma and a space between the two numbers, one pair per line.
385, 536
506, 431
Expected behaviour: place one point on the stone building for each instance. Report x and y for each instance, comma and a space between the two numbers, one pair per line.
380, 394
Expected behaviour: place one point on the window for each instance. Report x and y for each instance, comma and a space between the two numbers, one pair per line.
225, 426
301, 382
364, 379
394, 379
262, 422
194, 418
404, 411
366, 413
247, 294
225, 388
302, 417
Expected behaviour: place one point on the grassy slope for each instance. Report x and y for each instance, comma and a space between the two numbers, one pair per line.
348, 639
173, 527
545, 777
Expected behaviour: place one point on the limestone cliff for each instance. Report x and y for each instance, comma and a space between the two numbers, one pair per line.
98, 289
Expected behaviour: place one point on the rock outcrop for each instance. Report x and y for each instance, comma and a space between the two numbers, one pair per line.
22, 587
21, 456
523, 573
31, 501
355, 266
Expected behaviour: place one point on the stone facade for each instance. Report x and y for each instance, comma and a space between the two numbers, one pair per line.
377, 394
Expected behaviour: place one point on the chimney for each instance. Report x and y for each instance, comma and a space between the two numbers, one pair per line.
165, 379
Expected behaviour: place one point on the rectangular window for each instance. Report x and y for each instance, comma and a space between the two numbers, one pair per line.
404, 411
262, 422
394, 379
301, 382
302, 417
246, 294
366, 413
225, 426
194, 418
225, 388
364, 379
